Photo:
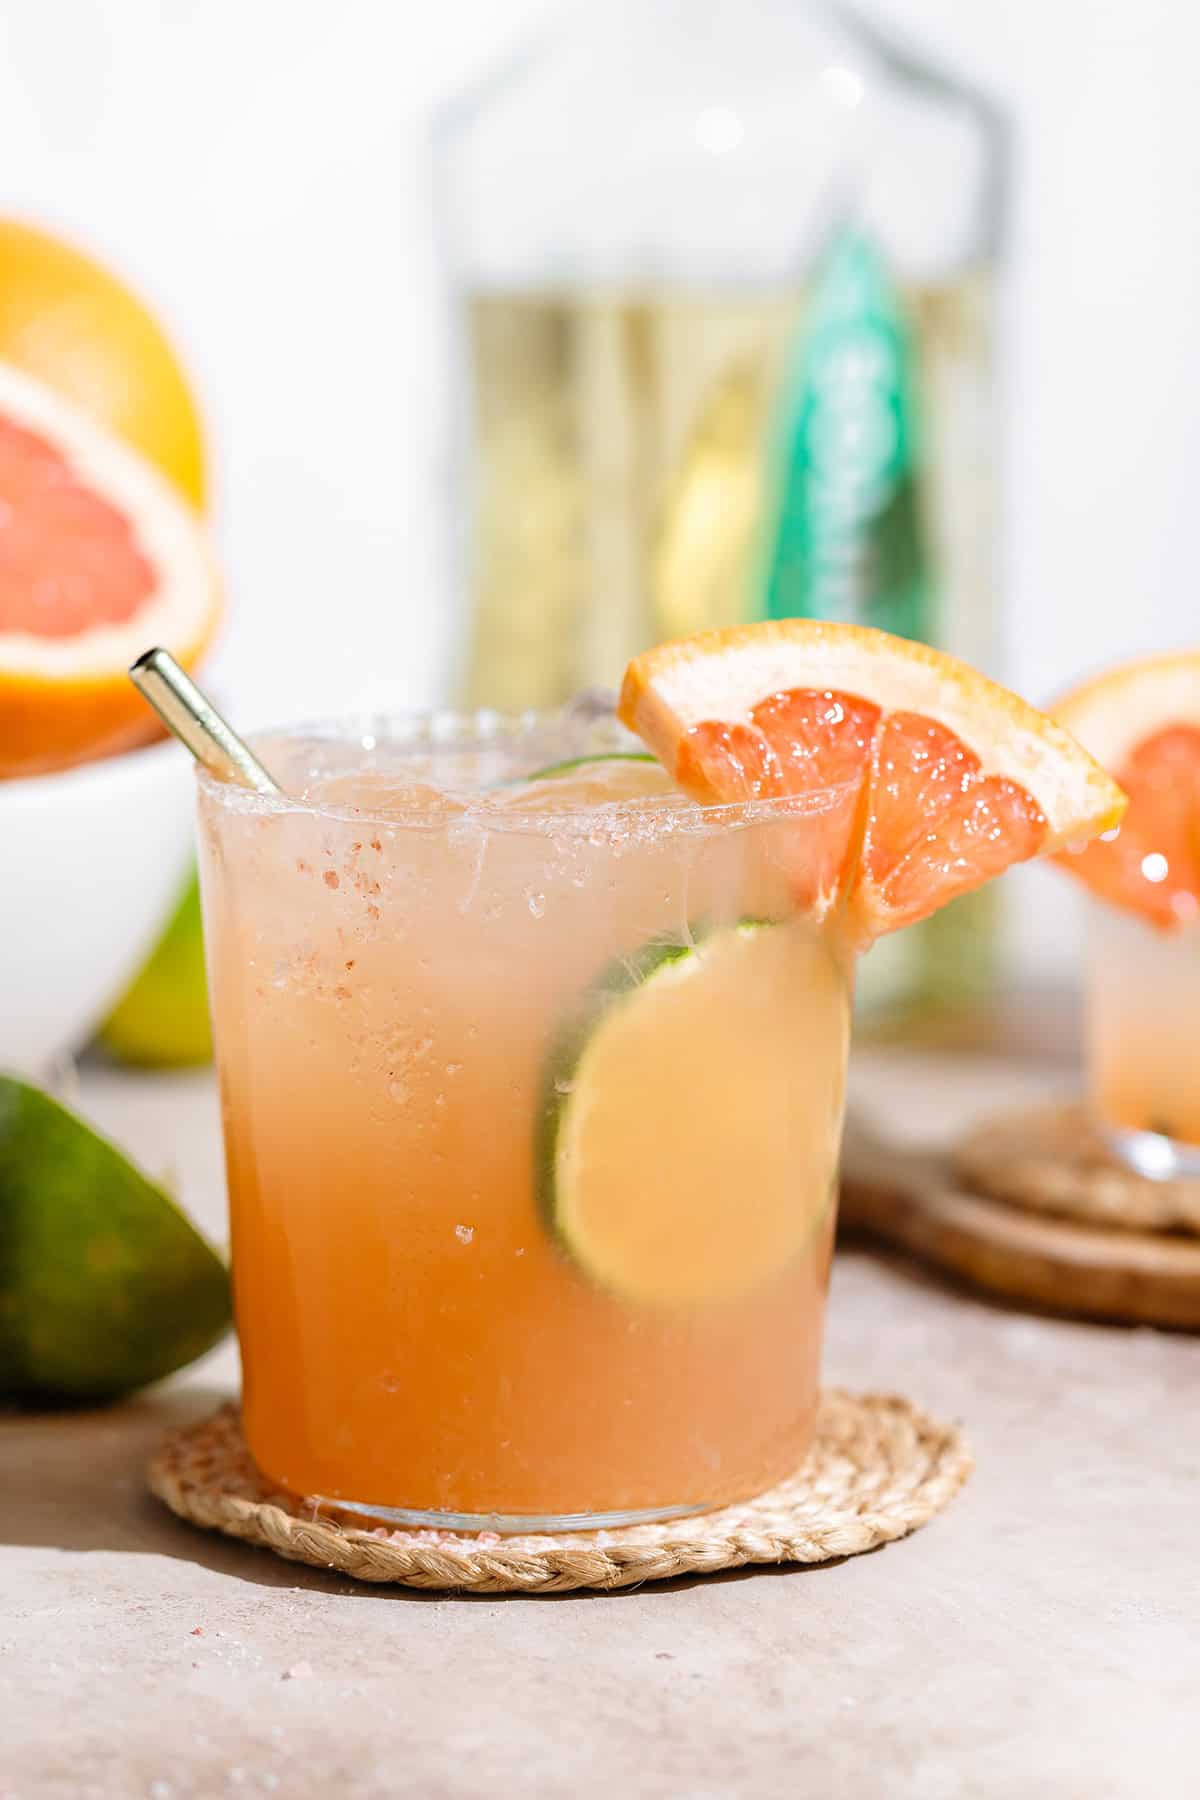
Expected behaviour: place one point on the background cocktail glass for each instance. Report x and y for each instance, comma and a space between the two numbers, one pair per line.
409, 957
1142, 1025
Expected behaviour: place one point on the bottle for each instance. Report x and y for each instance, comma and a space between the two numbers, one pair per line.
722, 274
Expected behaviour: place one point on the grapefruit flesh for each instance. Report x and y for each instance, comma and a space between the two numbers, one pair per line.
99, 558
70, 558
1142, 720
930, 779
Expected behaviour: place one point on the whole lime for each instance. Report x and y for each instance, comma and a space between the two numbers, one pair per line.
104, 1284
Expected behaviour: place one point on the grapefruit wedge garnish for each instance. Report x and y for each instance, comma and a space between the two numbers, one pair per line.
98, 558
1142, 721
927, 779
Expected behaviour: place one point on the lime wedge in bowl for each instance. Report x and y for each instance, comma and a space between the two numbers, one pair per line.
161, 1021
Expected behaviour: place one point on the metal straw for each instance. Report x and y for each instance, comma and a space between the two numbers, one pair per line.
196, 722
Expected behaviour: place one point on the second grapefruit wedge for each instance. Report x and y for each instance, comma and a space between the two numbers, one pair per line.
931, 779
1142, 719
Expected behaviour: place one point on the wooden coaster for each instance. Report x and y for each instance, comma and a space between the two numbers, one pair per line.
919, 1201
878, 1469
1053, 1159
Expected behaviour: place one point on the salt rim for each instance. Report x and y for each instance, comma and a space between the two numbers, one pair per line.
446, 731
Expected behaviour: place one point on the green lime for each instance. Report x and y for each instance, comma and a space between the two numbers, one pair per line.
583, 783
586, 762
104, 1285
161, 1021
688, 1141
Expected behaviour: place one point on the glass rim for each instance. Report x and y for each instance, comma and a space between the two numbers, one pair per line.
446, 730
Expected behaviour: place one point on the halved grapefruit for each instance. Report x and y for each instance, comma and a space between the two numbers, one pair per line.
934, 779
98, 558
1142, 721
69, 321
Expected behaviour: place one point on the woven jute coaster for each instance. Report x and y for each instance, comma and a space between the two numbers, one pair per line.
878, 1469
1054, 1160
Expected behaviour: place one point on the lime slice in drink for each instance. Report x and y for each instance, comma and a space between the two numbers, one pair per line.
592, 762
688, 1146
104, 1285
583, 782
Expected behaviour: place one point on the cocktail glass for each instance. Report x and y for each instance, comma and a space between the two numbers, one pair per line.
1142, 1009
532, 1094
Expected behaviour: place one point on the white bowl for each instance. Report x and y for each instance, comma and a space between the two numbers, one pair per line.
91, 861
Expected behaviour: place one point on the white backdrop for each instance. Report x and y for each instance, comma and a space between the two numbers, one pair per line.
260, 169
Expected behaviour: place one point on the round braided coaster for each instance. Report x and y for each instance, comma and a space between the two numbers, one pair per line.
1053, 1159
878, 1469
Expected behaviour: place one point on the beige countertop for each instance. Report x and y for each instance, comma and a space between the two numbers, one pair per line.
1040, 1637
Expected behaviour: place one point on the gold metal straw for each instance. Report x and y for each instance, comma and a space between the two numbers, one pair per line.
196, 722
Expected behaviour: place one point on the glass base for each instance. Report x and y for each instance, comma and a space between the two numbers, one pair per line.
1153, 1155
505, 1524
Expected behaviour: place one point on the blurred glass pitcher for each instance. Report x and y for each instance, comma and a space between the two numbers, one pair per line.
722, 274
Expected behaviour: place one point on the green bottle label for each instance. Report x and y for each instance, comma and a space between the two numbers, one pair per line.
845, 537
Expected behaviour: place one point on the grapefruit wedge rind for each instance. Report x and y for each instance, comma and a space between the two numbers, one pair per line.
937, 779
1142, 721
101, 557
724, 674
1113, 714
